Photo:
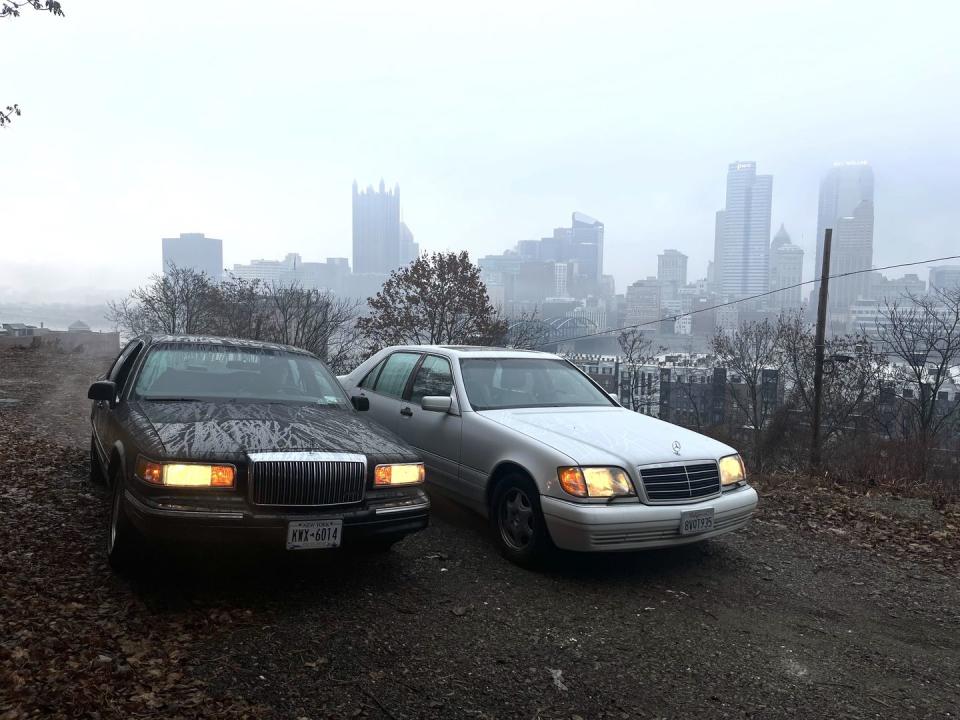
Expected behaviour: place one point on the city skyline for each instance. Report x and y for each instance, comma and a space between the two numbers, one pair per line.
488, 145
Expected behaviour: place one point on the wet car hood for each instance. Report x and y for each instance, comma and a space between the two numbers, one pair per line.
210, 429
597, 435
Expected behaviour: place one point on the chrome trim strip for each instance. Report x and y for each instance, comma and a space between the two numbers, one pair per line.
306, 456
164, 512
679, 463
402, 508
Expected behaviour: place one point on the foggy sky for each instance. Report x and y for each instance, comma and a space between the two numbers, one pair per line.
249, 122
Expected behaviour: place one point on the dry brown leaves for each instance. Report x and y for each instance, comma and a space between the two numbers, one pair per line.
74, 640
873, 520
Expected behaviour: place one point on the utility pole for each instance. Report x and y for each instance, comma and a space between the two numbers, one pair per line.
819, 347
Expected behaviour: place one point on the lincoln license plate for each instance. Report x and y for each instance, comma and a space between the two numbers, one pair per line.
694, 522
314, 534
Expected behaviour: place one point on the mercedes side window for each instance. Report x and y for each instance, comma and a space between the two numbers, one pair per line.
371, 377
393, 378
433, 378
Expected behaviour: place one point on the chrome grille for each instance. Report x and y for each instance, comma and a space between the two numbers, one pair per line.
672, 483
307, 479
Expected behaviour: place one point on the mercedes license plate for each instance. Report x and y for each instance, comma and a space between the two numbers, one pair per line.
314, 534
694, 522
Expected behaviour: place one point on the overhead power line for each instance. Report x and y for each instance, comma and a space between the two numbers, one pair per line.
751, 297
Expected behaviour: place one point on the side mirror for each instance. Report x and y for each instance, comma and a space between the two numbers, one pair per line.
614, 396
436, 403
360, 403
103, 391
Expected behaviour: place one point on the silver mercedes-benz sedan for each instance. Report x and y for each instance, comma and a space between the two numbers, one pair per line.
532, 443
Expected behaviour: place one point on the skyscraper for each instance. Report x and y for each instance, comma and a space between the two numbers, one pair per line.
672, 268
786, 271
378, 244
587, 250
742, 233
846, 206
194, 251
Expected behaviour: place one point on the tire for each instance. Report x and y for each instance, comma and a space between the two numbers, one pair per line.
96, 470
516, 517
124, 544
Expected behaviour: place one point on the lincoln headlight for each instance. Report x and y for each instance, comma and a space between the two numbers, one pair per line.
732, 470
398, 474
595, 482
188, 475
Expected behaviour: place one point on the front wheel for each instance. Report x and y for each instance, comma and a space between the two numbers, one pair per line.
517, 519
124, 544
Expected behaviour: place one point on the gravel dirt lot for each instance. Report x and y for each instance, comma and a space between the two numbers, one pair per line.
831, 604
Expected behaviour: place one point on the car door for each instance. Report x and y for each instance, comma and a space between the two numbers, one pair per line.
436, 435
385, 391
101, 411
109, 419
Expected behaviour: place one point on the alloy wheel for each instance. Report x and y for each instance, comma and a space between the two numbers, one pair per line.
517, 519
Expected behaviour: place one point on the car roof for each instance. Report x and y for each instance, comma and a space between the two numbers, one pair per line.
475, 351
226, 342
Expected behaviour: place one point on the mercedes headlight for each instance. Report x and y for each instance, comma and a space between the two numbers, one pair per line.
595, 482
732, 470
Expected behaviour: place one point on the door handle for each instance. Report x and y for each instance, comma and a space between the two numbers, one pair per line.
407, 412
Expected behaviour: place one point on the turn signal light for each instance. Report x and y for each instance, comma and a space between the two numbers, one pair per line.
571, 480
150, 472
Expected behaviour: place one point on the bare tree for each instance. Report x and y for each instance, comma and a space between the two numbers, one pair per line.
635, 350
436, 299
923, 336
527, 331
851, 380
242, 309
314, 320
12, 9
747, 352
178, 302
185, 302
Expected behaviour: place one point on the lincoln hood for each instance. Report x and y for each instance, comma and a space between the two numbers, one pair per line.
200, 430
609, 436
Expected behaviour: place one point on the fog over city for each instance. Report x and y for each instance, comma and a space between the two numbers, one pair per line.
250, 121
